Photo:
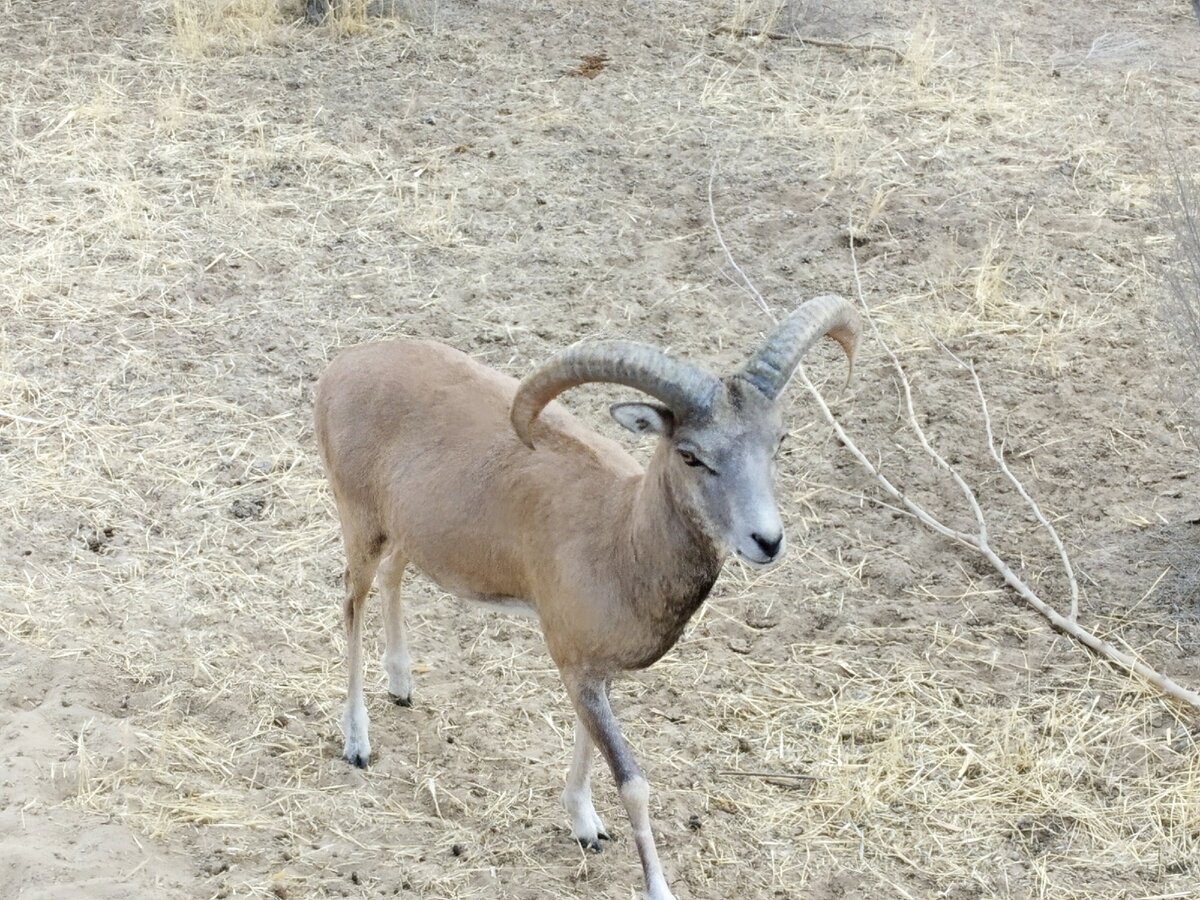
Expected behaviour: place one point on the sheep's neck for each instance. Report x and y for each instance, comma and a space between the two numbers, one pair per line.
675, 562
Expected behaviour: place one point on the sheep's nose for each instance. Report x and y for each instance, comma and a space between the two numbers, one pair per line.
768, 545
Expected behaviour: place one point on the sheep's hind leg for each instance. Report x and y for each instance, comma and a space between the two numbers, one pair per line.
586, 826
362, 558
396, 660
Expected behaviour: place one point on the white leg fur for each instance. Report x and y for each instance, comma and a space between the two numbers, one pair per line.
586, 826
635, 795
355, 726
355, 722
396, 660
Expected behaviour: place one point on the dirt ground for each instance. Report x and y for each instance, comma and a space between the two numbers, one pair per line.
201, 202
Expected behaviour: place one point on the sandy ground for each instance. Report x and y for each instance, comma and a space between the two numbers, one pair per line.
201, 202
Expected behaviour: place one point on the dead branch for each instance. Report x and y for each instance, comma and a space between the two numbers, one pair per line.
810, 41
787, 780
978, 540
738, 773
998, 456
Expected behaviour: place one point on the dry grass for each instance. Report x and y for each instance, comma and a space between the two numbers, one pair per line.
764, 16
201, 26
1182, 272
193, 220
1181, 310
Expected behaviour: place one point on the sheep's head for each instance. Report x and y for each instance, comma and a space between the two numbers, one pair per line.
720, 464
719, 437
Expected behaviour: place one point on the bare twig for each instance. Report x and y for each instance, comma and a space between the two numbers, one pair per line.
745, 282
789, 780
978, 541
998, 456
792, 775
963, 487
6, 416
810, 41
975, 542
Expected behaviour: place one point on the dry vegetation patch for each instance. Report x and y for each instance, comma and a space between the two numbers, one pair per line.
200, 202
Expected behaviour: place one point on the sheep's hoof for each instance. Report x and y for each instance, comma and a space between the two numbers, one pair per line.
401, 701
356, 759
593, 844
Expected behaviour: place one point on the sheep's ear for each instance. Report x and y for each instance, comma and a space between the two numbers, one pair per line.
644, 418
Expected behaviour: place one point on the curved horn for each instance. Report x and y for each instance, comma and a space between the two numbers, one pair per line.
684, 388
770, 369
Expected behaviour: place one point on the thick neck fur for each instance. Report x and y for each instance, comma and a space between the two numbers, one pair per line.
674, 562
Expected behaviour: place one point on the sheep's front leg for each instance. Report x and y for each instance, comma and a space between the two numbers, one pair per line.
586, 826
590, 697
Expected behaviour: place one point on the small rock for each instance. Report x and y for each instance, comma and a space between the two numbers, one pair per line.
724, 805
217, 866
762, 619
251, 508
98, 539
738, 645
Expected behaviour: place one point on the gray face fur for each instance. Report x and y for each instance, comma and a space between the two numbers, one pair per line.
722, 466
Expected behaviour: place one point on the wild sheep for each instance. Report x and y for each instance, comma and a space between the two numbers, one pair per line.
503, 497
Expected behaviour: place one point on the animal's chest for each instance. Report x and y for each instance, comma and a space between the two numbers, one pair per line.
661, 630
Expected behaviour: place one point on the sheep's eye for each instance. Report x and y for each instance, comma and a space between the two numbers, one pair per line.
779, 446
689, 458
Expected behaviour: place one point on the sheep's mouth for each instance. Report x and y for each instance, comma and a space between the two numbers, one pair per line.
758, 563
